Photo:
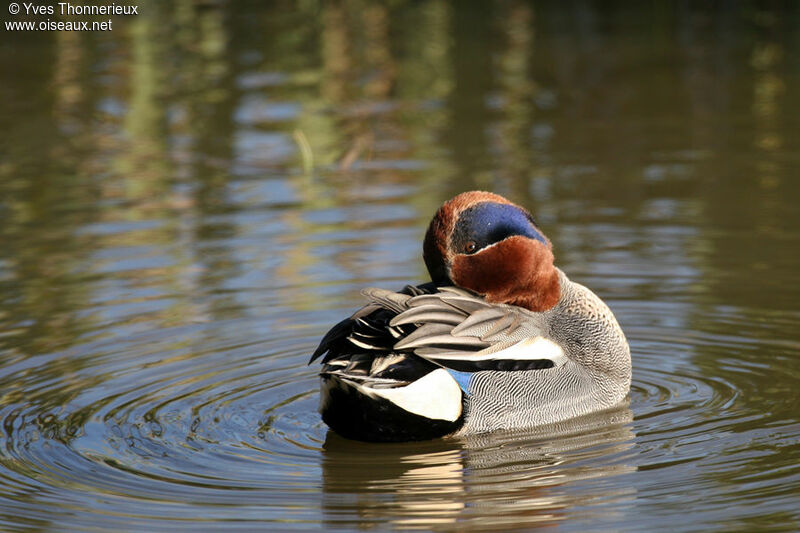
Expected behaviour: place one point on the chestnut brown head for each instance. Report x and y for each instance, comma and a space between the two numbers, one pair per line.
482, 242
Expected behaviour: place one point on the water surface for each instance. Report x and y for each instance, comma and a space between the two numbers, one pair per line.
188, 202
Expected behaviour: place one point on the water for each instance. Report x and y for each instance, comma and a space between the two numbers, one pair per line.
189, 201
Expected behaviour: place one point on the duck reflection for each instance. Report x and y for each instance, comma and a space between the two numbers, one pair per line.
503, 479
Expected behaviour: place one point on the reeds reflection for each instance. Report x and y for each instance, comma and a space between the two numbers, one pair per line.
188, 202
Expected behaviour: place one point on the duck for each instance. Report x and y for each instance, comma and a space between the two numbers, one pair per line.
499, 339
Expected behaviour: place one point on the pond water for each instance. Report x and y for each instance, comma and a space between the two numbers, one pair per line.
189, 202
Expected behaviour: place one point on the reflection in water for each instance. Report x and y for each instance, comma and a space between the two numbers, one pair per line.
503, 479
169, 260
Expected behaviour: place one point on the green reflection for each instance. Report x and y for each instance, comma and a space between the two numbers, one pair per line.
150, 178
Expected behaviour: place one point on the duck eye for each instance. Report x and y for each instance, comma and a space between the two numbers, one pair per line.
470, 247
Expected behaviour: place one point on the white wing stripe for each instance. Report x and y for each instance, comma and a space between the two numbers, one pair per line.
532, 348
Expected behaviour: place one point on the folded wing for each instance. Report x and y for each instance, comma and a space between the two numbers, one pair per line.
447, 326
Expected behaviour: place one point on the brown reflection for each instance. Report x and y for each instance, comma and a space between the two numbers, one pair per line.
358, 72
468, 113
768, 89
516, 92
68, 82
358, 78
146, 167
498, 480
97, 147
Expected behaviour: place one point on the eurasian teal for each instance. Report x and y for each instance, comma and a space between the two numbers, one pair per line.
499, 339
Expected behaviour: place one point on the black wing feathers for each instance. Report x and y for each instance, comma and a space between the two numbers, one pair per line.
370, 327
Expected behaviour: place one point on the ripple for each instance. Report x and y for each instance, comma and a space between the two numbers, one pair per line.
699, 402
222, 425
151, 428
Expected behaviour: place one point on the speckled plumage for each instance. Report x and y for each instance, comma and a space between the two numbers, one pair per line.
596, 375
526, 347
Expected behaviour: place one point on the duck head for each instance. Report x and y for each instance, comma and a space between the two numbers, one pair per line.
482, 242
